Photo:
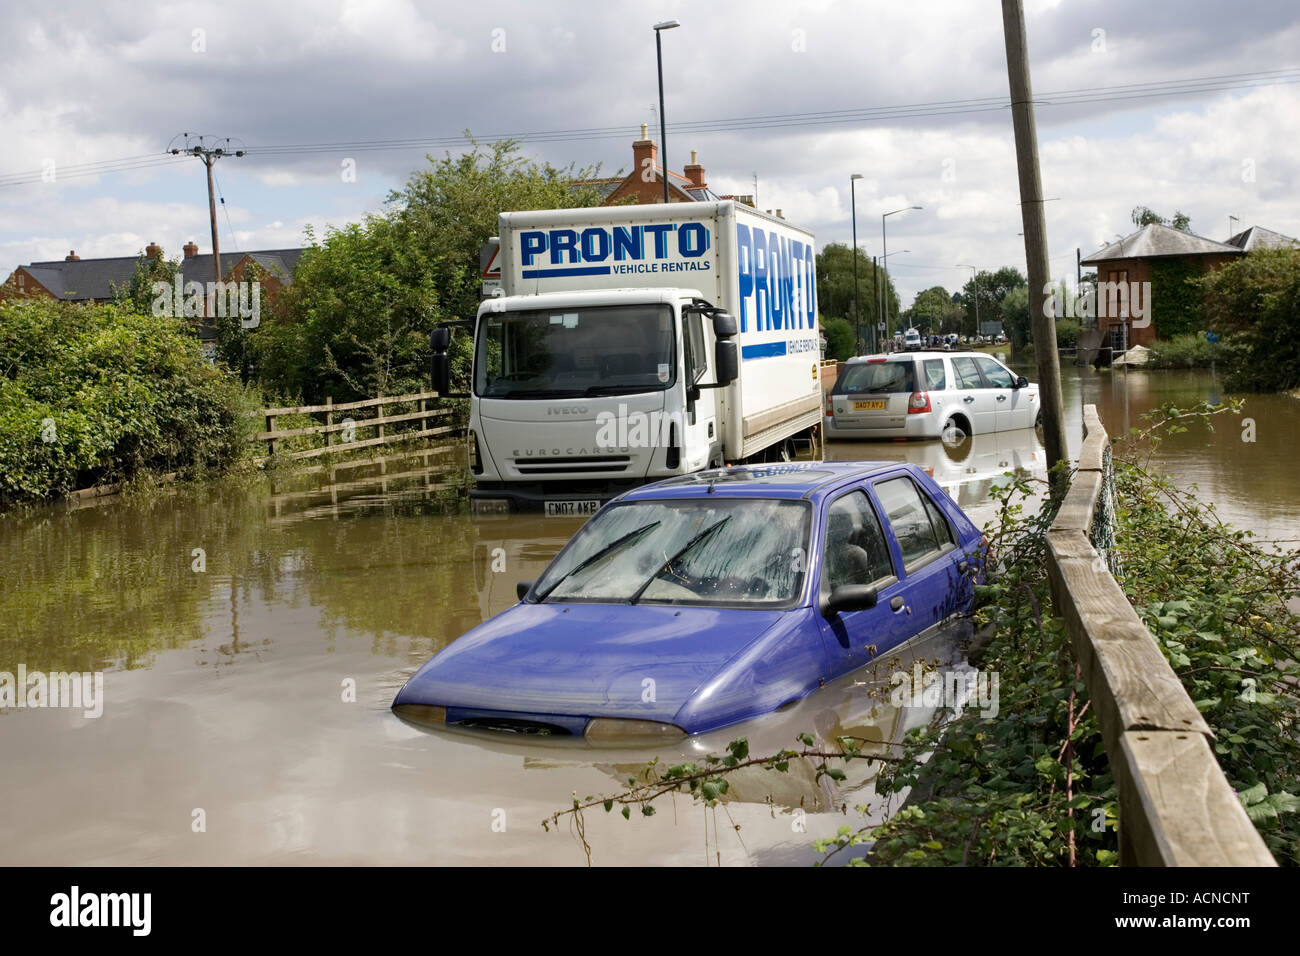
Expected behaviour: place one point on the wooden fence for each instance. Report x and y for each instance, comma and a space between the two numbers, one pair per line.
340, 434
1176, 808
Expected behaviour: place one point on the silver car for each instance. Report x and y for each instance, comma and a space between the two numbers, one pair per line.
928, 394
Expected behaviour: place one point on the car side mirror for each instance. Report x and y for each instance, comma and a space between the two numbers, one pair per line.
522, 588
851, 597
1022, 382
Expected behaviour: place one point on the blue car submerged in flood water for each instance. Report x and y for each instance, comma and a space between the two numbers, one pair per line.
700, 601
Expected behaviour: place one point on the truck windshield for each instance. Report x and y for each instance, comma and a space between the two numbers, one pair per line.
554, 353
748, 552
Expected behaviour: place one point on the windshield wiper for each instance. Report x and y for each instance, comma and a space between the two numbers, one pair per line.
543, 393
678, 556
607, 550
617, 389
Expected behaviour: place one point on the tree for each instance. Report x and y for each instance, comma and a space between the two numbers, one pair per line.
1145, 216
452, 207
929, 310
355, 321
1015, 317
136, 294
841, 343
990, 288
1256, 301
835, 287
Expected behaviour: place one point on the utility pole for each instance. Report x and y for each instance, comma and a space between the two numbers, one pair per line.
1035, 226
206, 148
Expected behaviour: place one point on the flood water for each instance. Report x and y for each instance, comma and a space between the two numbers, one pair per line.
247, 684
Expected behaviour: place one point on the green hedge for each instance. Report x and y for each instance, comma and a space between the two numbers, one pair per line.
96, 393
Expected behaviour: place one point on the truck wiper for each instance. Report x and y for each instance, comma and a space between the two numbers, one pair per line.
607, 550
543, 393
616, 389
678, 556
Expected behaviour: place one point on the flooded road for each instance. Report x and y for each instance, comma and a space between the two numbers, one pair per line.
253, 635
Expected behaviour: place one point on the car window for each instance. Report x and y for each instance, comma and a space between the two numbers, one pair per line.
998, 377
909, 518
942, 529
856, 552
876, 377
934, 375
968, 376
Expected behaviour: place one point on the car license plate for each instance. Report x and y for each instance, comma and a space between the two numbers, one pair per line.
874, 405
568, 509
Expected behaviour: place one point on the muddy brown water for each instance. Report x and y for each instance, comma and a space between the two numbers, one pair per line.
247, 684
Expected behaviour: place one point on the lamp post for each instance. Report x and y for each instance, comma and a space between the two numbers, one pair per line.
857, 315
886, 271
884, 254
663, 126
975, 283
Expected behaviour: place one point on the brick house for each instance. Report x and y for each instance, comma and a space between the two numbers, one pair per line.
1162, 257
645, 183
73, 279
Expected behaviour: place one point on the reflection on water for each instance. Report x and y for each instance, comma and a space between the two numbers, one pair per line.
254, 684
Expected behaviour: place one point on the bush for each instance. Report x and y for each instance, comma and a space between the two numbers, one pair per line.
1190, 350
1256, 300
95, 393
840, 340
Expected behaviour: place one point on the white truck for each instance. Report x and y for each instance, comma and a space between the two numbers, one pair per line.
634, 343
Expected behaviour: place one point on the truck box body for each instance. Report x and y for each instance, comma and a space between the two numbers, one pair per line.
640, 270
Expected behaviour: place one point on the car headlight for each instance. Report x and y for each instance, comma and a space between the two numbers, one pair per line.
618, 729
422, 713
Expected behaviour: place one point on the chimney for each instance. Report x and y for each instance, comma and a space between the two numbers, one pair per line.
153, 250
695, 172
779, 214
644, 149
72, 256
191, 249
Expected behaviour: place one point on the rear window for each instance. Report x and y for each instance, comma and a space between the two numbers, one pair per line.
864, 378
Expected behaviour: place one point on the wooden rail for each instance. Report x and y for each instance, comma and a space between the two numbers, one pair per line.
332, 430
1176, 807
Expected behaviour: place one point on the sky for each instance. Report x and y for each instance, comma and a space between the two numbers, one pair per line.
793, 93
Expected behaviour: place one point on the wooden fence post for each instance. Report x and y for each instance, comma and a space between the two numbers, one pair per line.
329, 420
270, 427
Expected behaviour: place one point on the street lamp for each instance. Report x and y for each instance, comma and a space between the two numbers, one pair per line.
882, 264
884, 253
663, 126
857, 316
975, 283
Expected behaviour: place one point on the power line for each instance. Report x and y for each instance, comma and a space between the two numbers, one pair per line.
934, 108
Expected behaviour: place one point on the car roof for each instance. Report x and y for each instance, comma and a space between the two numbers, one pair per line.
796, 479
919, 353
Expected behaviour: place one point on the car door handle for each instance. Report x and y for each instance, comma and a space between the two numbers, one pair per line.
968, 399
896, 604
1002, 398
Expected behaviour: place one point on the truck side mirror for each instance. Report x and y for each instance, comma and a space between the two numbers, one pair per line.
440, 364
724, 325
1022, 382
726, 361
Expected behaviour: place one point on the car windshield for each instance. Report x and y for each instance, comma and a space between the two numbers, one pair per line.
695, 551
876, 377
569, 353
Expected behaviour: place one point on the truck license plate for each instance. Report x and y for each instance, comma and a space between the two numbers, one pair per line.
874, 405
567, 509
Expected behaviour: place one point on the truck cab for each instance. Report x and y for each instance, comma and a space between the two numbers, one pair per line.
578, 396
